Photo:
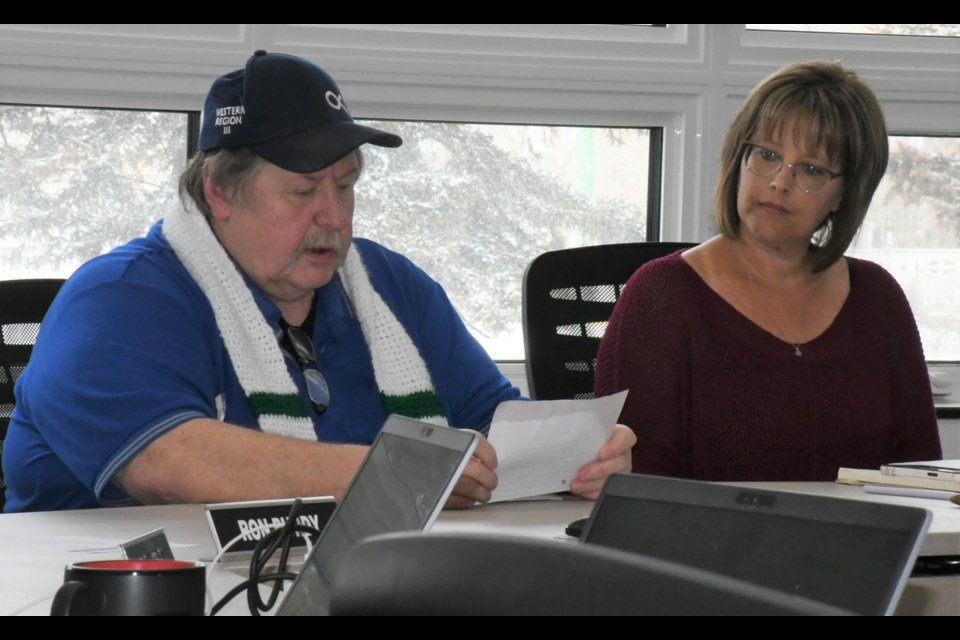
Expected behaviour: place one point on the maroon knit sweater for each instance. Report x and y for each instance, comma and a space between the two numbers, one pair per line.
715, 397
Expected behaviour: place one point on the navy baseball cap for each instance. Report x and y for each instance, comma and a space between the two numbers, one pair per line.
288, 111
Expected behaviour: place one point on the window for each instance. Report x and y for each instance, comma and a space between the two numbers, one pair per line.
473, 204
913, 230
75, 183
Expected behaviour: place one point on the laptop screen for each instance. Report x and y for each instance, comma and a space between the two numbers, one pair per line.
851, 554
405, 479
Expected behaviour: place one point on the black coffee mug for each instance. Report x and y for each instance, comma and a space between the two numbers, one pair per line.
131, 588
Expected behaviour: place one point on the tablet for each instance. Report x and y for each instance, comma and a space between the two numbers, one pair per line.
403, 483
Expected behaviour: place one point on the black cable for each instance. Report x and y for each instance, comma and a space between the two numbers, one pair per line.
246, 584
262, 553
259, 562
264, 550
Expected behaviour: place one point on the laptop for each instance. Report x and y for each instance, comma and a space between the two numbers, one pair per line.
851, 554
402, 485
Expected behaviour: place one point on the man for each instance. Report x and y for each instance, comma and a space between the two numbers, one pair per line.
182, 368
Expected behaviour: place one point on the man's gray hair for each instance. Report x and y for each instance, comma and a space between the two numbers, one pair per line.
230, 169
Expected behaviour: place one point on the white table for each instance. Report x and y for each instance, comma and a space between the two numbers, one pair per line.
35, 547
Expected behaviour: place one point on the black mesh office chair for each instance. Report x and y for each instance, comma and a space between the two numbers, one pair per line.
568, 297
475, 574
23, 303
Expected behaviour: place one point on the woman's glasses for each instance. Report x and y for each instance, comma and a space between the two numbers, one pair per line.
306, 355
809, 177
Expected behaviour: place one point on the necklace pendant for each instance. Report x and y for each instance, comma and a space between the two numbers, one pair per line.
796, 351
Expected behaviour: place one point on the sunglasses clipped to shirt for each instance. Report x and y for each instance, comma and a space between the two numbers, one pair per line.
306, 355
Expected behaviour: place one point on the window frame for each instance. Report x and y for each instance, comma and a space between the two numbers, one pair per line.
687, 78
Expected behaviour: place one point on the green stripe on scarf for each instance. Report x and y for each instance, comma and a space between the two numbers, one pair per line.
277, 404
419, 405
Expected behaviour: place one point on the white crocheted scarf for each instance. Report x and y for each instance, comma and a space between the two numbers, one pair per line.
402, 375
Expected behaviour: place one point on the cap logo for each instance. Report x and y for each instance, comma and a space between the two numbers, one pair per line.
335, 100
229, 116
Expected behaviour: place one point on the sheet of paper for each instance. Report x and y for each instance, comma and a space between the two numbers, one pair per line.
541, 445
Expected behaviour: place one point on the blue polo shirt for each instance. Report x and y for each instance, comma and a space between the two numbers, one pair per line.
130, 350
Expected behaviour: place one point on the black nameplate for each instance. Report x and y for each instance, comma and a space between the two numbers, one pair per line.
254, 520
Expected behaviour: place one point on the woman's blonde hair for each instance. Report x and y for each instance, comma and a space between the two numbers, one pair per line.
831, 109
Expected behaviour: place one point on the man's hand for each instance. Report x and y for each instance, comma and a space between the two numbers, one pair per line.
614, 457
478, 479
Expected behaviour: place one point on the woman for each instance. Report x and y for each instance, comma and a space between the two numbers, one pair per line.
764, 354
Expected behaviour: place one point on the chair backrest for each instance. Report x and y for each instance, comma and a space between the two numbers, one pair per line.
568, 297
23, 303
483, 574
